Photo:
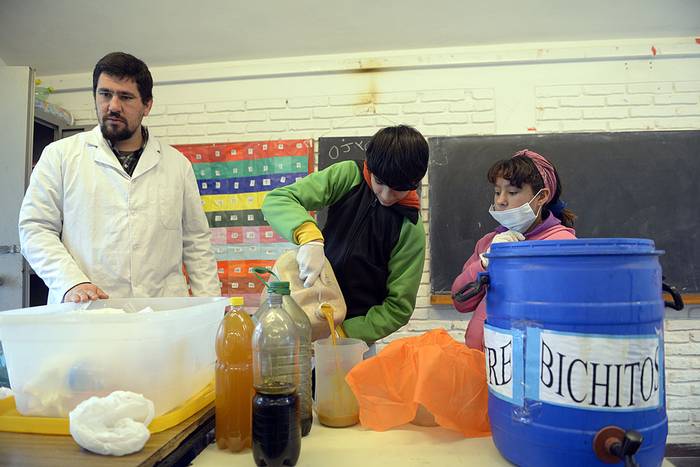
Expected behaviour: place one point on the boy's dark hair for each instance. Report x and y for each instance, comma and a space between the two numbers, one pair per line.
519, 170
122, 65
398, 156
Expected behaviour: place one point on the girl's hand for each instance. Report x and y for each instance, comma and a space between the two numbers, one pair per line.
508, 236
503, 237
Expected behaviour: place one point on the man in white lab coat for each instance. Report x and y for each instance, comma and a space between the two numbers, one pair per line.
113, 212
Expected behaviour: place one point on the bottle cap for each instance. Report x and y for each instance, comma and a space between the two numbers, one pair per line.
236, 301
278, 287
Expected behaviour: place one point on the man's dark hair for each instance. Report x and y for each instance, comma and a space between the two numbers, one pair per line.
122, 65
398, 156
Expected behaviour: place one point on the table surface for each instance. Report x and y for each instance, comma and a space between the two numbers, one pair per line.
21, 449
405, 446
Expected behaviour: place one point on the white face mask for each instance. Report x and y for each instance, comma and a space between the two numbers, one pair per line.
519, 219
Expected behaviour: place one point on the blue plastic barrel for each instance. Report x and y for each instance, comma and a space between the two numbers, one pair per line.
574, 344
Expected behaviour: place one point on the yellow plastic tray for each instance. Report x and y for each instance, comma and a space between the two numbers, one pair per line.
11, 420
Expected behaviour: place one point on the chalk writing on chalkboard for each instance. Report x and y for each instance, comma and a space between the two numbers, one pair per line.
338, 149
335, 150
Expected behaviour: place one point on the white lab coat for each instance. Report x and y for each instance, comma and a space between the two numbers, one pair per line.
83, 219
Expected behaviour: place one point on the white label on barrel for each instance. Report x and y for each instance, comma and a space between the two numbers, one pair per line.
503, 353
597, 372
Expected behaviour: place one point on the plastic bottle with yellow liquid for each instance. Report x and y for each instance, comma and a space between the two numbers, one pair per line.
234, 378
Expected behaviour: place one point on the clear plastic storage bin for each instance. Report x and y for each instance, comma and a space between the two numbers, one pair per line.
59, 355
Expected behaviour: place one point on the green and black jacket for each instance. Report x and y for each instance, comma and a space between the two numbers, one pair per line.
377, 252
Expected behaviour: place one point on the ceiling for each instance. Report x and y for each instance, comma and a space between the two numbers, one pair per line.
69, 36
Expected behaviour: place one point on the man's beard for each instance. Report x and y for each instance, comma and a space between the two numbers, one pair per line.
112, 134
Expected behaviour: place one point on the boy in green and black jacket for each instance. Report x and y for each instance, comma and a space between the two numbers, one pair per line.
373, 236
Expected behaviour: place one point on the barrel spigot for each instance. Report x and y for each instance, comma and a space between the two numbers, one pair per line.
612, 444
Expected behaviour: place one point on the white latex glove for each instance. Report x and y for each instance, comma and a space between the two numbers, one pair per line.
311, 260
503, 237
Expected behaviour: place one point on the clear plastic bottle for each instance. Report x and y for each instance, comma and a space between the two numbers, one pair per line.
276, 407
304, 383
234, 378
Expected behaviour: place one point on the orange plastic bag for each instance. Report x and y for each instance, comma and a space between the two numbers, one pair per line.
432, 369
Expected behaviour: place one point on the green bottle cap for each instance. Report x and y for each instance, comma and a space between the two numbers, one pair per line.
278, 287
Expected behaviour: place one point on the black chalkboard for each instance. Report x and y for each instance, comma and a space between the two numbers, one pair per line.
630, 184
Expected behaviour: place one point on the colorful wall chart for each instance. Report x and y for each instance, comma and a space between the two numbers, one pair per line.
233, 180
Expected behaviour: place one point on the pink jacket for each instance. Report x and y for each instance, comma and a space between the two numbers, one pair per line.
550, 229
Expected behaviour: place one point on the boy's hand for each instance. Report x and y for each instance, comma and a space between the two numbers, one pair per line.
311, 260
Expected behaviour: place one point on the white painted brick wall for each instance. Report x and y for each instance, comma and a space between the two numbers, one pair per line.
185, 109
686, 86
230, 106
253, 116
618, 107
300, 102
265, 104
300, 114
571, 126
558, 91
578, 101
604, 89
650, 88
447, 95
559, 97
682, 349
606, 112
399, 98
207, 118
436, 107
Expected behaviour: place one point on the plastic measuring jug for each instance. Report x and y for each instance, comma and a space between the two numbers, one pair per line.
335, 403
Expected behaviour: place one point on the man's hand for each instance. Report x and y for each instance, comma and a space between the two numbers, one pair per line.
503, 237
84, 293
311, 260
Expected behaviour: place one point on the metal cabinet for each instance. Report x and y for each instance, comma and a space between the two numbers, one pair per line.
16, 128
25, 129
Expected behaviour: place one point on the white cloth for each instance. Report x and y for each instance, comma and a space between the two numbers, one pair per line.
503, 237
83, 219
311, 259
5, 393
114, 425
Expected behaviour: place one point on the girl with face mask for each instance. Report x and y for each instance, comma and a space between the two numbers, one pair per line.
527, 206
